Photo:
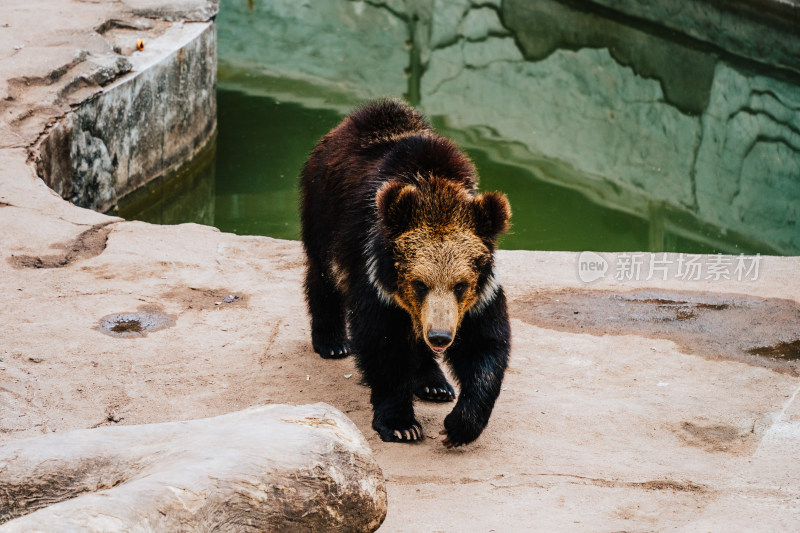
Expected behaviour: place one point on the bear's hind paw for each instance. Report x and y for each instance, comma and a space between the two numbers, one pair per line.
440, 393
432, 386
333, 350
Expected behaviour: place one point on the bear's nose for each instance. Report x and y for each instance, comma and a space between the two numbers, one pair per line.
439, 338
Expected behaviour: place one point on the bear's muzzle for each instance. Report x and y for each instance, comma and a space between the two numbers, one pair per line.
439, 319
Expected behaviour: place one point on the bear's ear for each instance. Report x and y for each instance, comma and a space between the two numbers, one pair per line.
492, 212
395, 201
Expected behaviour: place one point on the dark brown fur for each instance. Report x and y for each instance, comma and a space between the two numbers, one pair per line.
400, 246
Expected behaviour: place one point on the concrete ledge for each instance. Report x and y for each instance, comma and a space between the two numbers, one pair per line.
139, 127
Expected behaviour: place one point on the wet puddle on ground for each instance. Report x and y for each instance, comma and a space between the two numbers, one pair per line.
136, 324
757, 331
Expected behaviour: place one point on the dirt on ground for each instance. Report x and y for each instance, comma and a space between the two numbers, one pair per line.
628, 415
754, 330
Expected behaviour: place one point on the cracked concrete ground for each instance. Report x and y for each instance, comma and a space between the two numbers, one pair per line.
620, 411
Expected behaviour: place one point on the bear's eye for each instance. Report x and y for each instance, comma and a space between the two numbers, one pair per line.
420, 289
460, 288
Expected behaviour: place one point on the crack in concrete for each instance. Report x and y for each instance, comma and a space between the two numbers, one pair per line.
755, 112
122, 24
698, 143
273, 334
415, 68
496, 482
381, 5
656, 484
23, 82
788, 404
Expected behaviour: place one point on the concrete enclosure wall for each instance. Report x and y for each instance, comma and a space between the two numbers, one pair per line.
673, 111
141, 126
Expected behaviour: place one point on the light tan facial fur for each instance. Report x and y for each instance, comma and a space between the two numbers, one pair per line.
441, 236
437, 278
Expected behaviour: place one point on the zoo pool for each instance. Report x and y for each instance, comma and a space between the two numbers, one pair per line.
606, 132
247, 184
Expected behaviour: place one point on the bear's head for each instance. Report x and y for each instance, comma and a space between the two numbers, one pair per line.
442, 239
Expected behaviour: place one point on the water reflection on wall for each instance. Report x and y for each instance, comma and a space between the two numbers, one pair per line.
258, 162
185, 195
691, 136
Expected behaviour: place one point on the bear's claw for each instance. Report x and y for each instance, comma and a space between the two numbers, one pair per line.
449, 444
410, 434
430, 384
439, 393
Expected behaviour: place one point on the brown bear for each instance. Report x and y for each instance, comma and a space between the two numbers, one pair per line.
400, 253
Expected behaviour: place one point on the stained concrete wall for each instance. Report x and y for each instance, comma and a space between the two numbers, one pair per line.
661, 112
761, 30
356, 44
139, 127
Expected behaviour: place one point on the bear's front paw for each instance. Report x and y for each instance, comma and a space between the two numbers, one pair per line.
398, 431
460, 430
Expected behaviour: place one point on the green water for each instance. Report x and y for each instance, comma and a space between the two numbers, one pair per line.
247, 184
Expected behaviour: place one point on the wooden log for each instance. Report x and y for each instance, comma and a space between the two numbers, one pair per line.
268, 468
